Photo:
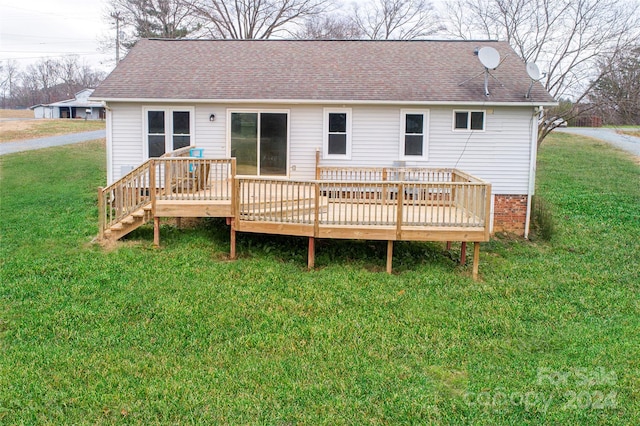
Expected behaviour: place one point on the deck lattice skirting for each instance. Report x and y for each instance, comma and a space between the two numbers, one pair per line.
392, 204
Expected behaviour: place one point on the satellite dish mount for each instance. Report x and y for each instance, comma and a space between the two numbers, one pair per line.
490, 59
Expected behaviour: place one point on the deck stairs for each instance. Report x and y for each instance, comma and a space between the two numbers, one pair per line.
129, 223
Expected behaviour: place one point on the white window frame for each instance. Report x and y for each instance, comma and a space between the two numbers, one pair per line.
469, 129
168, 126
425, 134
325, 134
260, 111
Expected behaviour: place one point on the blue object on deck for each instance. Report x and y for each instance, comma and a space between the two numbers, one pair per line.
195, 153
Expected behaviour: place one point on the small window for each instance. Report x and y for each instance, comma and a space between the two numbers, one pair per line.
413, 137
181, 134
468, 120
156, 133
337, 134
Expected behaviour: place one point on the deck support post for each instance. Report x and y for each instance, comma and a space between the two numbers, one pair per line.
389, 256
179, 222
463, 253
156, 231
232, 239
311, 259
448, 246
476, 260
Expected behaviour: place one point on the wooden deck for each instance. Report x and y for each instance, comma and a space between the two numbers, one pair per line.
391, 204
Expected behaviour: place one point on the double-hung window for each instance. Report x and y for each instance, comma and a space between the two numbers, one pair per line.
337, 133
468, 120
167, 129
413, 137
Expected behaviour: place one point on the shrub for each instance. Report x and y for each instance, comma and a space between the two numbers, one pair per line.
542, 218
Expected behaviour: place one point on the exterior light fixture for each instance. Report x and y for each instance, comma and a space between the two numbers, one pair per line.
212, 117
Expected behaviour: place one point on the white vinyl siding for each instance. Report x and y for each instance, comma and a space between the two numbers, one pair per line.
126, 137
499, 155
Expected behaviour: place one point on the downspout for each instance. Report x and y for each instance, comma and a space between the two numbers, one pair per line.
532, 167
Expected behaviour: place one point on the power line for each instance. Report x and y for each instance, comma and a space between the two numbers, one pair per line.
38, 12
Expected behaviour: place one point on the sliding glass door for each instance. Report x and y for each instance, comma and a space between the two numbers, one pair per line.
259, 142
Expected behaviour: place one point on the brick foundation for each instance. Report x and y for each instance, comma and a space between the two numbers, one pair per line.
509, 213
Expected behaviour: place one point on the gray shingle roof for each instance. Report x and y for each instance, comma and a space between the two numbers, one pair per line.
392, 71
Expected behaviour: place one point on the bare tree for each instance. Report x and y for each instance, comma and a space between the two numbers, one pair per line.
48, 80
396, 19
136, 19
75, 76
567, 38
255, 19
329, 27
617, 93
46, 74
8, 80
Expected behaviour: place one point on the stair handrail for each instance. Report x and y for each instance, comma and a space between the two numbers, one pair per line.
124, 196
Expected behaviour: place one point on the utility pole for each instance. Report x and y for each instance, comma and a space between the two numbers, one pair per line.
116, 16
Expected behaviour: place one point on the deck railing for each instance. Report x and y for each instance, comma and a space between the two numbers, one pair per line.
411, 196
368, 174
460, 204
361, 197
171, 177
125, 196
276, 200
187, 178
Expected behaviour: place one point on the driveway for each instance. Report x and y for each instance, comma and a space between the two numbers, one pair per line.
628, 143
31, 144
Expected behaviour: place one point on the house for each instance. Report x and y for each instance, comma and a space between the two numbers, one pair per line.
356, 101
386, 106
78, 107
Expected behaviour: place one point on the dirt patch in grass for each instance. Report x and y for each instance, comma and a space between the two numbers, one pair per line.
17, 130
16, 113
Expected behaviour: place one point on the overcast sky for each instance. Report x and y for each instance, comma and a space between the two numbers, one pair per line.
32, 29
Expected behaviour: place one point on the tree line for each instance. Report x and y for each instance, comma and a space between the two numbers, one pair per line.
46, 81
586, 49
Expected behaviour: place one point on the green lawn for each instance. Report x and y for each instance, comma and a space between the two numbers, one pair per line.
138, 335
11, 131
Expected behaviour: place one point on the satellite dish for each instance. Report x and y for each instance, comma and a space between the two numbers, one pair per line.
489, 57
534, 74
533, 71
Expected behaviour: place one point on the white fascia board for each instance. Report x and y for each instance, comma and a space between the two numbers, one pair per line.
324, 102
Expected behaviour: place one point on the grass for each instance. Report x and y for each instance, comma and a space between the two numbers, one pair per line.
16, 113
20, 130
635, 133
137, 335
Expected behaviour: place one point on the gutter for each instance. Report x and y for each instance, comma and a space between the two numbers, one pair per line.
324, 102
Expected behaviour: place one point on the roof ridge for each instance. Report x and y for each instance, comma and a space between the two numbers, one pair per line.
323, 40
